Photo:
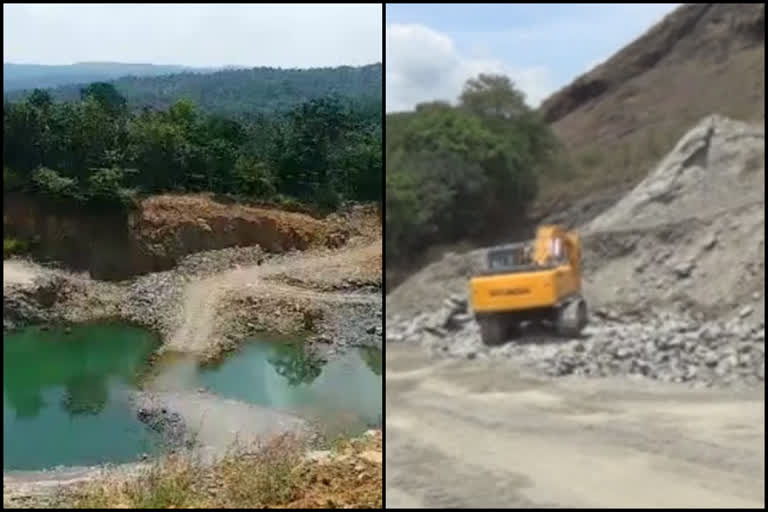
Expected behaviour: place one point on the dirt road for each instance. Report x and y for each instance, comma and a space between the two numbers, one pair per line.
202, 297
481, 433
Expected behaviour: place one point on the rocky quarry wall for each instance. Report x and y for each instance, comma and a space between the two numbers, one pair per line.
162, 230
674, 274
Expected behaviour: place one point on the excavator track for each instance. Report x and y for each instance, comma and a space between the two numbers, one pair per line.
571, 318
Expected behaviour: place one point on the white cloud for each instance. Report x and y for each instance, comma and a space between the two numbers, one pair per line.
281, 35
425, 65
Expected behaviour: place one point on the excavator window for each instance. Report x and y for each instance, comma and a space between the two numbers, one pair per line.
559, 252
511, 257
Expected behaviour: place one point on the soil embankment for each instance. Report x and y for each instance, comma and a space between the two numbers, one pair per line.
119, 245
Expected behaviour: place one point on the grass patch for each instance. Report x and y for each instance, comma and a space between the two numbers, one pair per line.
273, 475
12, 246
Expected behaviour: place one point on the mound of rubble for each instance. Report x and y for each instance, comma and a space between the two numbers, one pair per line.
669, 348
53, 295
691, 235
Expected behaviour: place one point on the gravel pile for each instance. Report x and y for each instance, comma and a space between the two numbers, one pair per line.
154, 301
58, 296
329, 327
662, 346
347, 284
20, 308
348, 325
211, 262
691, 233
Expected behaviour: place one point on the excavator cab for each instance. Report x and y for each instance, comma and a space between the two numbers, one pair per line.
532, 282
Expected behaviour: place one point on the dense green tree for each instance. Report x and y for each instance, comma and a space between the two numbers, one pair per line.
40, 99
95, 149
106, 95
502, 107
493, 96
455, 172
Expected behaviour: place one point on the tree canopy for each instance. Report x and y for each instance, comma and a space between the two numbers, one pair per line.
453, 171
235, 92
93, 149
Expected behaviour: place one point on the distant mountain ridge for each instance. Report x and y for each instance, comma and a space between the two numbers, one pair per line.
41, 76
228, 91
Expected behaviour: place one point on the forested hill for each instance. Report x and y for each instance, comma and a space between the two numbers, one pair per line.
38, 76
234, 92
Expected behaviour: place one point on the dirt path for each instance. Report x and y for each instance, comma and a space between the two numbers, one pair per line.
479, 433
202, 297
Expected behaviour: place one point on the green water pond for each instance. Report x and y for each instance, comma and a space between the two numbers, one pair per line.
66, 392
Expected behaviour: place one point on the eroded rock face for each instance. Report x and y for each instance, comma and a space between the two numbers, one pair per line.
701, 33
161, 231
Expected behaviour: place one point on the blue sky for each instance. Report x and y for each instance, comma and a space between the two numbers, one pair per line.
432, 49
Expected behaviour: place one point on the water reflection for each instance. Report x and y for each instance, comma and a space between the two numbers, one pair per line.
62, 388
86, 394
77, 365
343, 393
26, 402
374, 359
298, 366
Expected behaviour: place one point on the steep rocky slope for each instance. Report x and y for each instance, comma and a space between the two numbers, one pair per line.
619, 118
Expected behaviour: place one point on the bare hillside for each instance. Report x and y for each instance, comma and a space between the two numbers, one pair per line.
618, 119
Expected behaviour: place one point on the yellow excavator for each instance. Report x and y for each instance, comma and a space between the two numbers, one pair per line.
537, 282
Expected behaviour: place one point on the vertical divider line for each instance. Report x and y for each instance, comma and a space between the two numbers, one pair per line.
383, 249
